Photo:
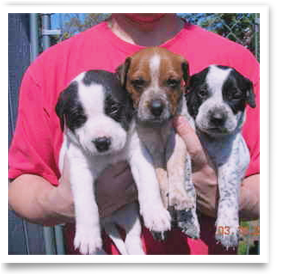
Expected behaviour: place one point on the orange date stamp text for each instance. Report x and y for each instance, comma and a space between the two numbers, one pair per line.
243, 230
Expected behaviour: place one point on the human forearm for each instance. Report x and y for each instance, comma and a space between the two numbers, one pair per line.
35, 199
250, 198
207, 191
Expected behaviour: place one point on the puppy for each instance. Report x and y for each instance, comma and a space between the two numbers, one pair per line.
216, 100
155, 79
99, 130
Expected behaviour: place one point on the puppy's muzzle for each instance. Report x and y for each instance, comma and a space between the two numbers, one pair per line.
217, 118
102, 144
156, 107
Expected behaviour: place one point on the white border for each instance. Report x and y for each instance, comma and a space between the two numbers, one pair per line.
264, 39
120, 8
283, 135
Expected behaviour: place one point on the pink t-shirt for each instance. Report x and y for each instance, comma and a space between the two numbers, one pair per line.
38, 138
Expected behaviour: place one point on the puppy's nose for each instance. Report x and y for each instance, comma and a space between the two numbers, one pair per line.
102, 143
218, 118
156, 107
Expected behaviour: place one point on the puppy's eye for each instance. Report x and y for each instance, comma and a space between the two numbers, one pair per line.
173, 83
114, 111
114, 108
202, 92
77, 114
138, 83
236, 94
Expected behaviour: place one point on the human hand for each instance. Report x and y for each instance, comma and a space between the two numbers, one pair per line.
35, 199
204, 176
114, 188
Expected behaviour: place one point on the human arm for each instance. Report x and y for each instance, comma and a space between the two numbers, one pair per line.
35, 199
205, 180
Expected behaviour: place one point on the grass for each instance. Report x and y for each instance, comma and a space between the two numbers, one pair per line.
249, 238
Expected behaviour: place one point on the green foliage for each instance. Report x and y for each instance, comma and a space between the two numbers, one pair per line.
249, 238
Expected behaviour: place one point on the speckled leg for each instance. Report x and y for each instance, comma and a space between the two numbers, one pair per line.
182, 196
227, 223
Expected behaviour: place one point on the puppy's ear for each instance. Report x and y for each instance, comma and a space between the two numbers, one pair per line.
122, 70
198, 79
64, 99
245, 85
185, 71
250, 96
60, 109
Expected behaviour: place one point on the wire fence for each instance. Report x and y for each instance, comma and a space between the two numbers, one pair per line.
242, 28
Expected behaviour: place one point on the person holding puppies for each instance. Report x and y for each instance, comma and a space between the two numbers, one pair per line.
40, 194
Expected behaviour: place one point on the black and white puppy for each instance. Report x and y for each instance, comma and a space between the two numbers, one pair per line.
216, 100
99, 131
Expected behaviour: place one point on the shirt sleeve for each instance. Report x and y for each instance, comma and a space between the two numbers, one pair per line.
31, 150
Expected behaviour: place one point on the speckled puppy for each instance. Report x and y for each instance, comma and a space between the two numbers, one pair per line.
217, 99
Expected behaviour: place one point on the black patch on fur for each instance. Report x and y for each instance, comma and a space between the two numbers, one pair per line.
185, 70
118, 104
69, 109
121, 112
196, 84
122, 70
238, 91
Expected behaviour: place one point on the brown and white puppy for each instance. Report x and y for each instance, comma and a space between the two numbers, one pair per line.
156, 79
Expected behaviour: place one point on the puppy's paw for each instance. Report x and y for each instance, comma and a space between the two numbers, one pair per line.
181, 203
159, 236
135, 249
187, 221
88, 240
227, 235
156, 218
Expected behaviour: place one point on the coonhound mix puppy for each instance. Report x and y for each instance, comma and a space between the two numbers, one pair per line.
216, 100
155, 78
97, 117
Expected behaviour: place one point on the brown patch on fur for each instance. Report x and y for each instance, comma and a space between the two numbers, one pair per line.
172, 66
135, 95
174, 98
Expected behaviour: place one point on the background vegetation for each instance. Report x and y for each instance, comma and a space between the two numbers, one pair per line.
242, 28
